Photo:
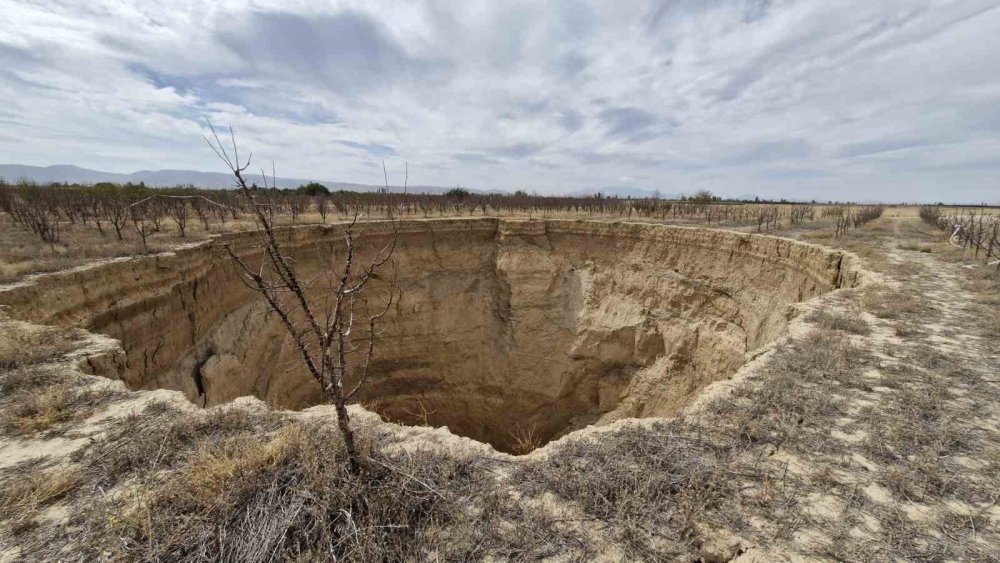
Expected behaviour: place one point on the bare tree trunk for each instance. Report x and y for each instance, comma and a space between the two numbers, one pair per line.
327, 339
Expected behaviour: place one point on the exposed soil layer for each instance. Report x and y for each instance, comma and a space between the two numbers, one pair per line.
508, 332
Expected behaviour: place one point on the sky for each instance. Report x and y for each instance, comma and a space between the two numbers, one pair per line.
806, 99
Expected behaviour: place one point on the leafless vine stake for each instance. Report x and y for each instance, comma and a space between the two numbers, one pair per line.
320, 323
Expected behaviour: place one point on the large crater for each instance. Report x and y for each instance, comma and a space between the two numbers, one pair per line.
509, 332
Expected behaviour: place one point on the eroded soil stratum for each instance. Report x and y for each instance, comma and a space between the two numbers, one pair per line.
509, 332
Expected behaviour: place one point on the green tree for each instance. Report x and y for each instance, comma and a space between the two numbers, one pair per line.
312, 188
457, 193
703, 196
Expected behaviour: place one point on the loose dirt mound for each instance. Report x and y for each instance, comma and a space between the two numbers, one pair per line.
509, 332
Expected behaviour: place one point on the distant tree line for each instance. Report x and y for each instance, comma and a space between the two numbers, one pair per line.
120, 209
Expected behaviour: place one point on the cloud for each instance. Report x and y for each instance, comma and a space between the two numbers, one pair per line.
626, 121
880, 146
347, 52
799, 98
770, 151
754, 10
373, 149
571, 120
518, 150
473, 158
571, 64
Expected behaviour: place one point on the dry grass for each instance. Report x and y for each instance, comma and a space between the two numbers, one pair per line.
783, 407
916, 439
892, 303
847, 321
915, 247
38, 399
238, 485
261, 491
984, 282
29, 489
648, 488
23, 253
159, 438
23, 344
40, 411
524, 440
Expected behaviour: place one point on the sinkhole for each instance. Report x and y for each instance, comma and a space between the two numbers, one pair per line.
513, 333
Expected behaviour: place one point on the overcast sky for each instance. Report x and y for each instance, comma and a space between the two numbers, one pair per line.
845, 99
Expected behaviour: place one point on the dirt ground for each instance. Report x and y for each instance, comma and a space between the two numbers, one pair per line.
870, 433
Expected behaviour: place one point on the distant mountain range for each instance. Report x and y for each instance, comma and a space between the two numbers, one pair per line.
168, 178
621, 191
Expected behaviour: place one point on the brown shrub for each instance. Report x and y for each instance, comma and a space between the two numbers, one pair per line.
649, 486
888, 303
850, 322
228, 491
23, 344
21, 496
39, 400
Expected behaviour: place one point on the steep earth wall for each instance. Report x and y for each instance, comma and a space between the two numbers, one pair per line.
504, 331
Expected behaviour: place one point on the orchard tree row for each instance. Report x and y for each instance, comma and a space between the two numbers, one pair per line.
119, 209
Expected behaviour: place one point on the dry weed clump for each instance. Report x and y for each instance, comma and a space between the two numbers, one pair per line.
915, 247
291, 497
783, 405
649, 487
850, 322
29, 379
161, 436
28, 488
919, 436
889, 303
39, 399
524, 440
23, 344
244, 485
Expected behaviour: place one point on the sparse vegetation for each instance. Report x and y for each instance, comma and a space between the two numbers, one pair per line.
891, 303
40, 399
239, 485
850, 321
835, 446
29, 488
22, 344
57, 226
975, 231
650, 486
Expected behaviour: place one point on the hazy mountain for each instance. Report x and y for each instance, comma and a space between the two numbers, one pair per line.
75, 174
168, 178
621, 191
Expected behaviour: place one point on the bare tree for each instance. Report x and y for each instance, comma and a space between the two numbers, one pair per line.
36, 210
178, 209
139, 214
116, 211
323, 206
319, 317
